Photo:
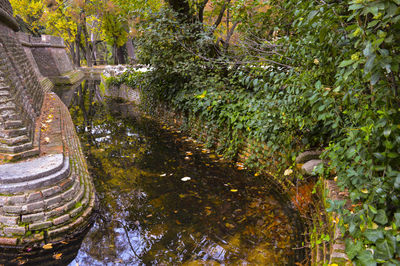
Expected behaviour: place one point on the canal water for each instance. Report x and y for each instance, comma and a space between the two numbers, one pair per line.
166, 200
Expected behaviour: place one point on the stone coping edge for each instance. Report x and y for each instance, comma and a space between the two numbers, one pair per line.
42, 45
68, 78
8, 20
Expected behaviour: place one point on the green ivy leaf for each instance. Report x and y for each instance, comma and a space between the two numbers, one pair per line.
397, 219
352, 249
366, 258
369, 64
384, 249
373, 235
346, 63
381, 217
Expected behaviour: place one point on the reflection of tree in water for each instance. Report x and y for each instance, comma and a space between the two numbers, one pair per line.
150, 216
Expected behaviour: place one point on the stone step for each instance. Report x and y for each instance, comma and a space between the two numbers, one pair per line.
8, 105
4, 99
13, 141
5, 93
42, 180
9, 115
10, 124
15, 149
31, 170
15, 132
75, 194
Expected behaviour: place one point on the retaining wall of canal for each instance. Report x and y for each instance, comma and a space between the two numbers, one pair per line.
323, 237
49, 59
46, 193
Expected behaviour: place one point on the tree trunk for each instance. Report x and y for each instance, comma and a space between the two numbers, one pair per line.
121, 54
114, 54
77, 45
88, 50
94, 48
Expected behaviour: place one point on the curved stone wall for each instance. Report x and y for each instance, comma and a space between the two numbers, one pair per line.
48, 198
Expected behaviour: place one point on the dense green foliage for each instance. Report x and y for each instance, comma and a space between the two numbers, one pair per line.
315, 74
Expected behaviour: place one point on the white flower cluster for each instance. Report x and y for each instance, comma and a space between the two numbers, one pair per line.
113, 71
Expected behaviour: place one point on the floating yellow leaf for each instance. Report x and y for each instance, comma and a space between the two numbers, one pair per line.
189, 153
288, 172
57, 256
234, 190
230, 226
212, 156
48, 246
256, 174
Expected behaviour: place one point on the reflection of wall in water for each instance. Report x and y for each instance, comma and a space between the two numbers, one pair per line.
68, 94
59, 254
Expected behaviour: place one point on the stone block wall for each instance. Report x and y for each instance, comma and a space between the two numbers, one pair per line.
6, 6
49, 57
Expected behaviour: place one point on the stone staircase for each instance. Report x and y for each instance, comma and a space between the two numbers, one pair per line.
14, 135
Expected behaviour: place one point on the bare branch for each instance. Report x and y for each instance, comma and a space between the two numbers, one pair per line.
220, 16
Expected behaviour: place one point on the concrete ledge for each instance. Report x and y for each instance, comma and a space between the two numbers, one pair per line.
69, 78
29, 170
36, 180
46, 85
